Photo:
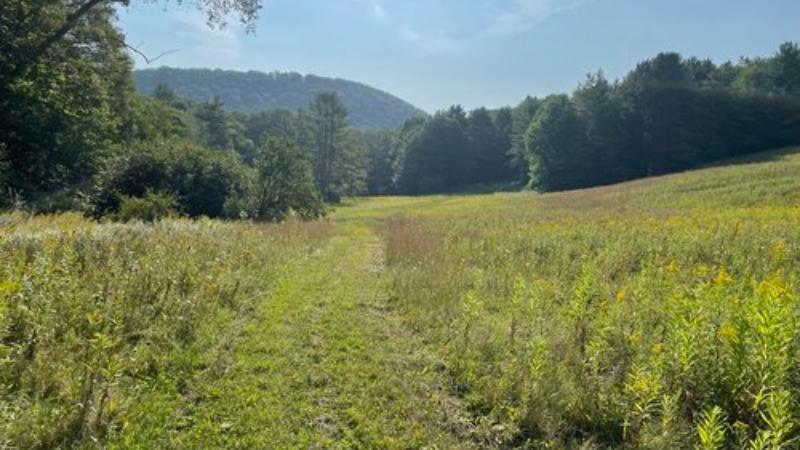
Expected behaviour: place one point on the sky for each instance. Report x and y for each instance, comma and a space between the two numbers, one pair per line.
436, 53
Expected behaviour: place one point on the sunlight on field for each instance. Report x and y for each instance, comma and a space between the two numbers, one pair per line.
639, 314
764, 181
101, 324
648, 314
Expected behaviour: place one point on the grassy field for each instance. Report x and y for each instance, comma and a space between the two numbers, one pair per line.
659, 314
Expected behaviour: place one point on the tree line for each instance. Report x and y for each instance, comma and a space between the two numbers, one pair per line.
75, 134
668, 114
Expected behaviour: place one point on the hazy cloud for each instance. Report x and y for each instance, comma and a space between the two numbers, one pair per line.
378, 12
521, 15
218, 45
428, 43
512, 17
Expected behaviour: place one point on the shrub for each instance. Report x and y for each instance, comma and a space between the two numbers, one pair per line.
151, 207
201, 179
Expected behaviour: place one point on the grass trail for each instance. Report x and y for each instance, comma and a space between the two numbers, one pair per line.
326, 363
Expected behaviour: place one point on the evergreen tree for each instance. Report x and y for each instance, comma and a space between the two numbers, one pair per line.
490, 145
504, 129
328, 121
215, 124
380, 162
435, 156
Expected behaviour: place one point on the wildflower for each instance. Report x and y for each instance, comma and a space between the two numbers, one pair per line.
673, 267
657, 348
727, 332
8, 288
775, 287
723, 277
779, 251
702, 271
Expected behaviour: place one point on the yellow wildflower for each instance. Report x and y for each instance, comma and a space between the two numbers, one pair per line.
657, 348
672, 267
723, 277
727, 332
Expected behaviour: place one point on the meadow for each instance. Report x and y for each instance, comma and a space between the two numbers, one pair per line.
659, 313
104, 324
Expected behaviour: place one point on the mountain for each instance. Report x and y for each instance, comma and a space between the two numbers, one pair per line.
255, 91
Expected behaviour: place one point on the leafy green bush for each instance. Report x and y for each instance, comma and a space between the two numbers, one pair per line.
201, 179
151, 207
281, 184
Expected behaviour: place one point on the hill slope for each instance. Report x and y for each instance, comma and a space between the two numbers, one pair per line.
254, 91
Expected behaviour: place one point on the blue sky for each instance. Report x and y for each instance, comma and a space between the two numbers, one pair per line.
435, 53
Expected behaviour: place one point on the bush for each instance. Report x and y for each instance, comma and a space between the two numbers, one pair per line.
152, 207
201, 179
281, 184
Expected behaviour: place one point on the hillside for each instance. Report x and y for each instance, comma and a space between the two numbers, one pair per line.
255, 91
653, 312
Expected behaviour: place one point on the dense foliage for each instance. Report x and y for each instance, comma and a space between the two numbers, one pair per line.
62, 110
281, 182
200, 179
73, 128
75, 135
257, 91
667, 115
451, 150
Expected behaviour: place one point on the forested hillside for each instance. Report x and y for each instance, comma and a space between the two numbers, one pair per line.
255, 91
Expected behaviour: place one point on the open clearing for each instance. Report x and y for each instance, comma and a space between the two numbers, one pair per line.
630, 314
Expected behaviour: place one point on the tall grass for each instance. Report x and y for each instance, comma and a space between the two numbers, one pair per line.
657, 314
93, 315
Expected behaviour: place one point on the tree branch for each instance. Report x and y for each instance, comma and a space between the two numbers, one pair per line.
147, 59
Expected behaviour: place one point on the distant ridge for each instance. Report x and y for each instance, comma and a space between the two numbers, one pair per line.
255, 91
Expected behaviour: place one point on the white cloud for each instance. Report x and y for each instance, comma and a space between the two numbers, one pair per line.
378, 12
426, 43
216, 45
429, 43
514, 17
521, 15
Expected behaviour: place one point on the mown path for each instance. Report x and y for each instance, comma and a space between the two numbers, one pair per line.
326, 363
